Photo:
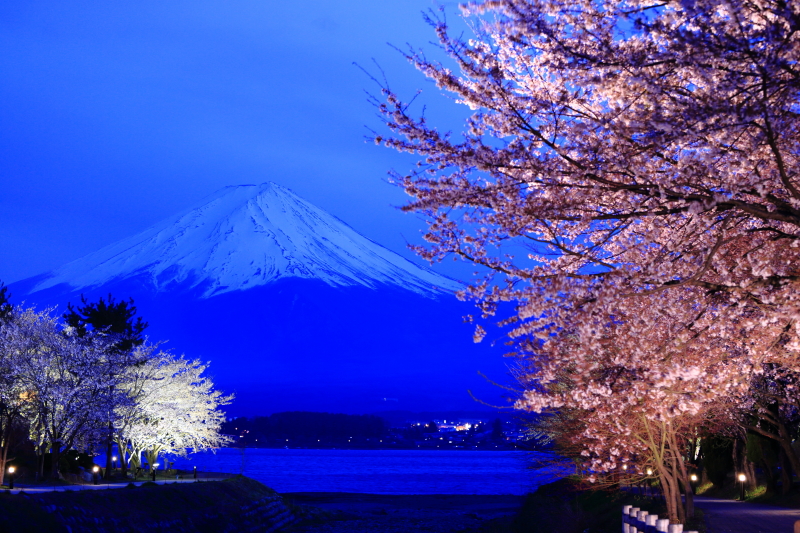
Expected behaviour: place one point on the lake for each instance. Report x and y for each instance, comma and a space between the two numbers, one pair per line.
379, 471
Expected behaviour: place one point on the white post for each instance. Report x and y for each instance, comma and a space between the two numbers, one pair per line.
675, 528
662, 524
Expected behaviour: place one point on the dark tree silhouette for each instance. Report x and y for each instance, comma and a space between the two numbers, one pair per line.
5, 306
110, 316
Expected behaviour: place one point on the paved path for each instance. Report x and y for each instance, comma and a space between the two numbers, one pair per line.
31, 489
728, 516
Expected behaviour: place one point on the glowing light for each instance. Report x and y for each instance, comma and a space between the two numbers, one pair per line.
95, 469
693, 477
742, 477
11, 469
649, 471
113, 457
624, 467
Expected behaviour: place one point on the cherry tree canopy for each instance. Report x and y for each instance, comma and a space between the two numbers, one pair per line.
630, 174
175, 408
632, 146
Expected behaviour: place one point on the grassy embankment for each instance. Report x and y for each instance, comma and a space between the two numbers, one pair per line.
235, 504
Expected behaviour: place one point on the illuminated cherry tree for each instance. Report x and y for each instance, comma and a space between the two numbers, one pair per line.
175, 409
621, 159
652, 376
62, 384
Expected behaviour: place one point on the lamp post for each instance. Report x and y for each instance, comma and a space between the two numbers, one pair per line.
742, 479
95, 471
194, 473
114, 462
11, 471
155, 467
693, 480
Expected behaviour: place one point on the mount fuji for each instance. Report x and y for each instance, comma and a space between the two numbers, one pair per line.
294, 309
243, 237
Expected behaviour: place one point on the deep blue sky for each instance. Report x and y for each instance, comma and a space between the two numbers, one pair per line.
115, 115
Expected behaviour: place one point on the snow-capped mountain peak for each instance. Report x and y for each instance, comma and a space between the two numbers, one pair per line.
243, 237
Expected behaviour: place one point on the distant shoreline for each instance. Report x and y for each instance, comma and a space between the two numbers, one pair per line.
388, 448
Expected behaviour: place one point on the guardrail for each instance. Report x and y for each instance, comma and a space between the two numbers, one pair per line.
634, 520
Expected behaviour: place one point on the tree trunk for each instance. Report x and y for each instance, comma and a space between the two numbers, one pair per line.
5, 441
151, 456
55, 456
688, 491
750, 472
736, 456
772, 479
786, 474
109, 451
40, 462
670, 491
123, 460
4, 456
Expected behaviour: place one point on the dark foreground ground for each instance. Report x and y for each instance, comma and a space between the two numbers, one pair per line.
242, 505
557, 507
376, 513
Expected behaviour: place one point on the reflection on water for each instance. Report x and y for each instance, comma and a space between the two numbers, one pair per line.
378, 471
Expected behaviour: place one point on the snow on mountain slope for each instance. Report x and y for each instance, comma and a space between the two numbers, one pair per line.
245, 236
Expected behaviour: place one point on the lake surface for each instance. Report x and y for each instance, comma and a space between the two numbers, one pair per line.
379, 471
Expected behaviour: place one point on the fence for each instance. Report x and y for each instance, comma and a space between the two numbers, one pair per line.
634, 520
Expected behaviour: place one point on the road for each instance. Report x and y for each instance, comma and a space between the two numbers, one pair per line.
31, 489
728, 516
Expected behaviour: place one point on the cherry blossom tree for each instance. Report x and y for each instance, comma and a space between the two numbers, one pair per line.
175, 408
622, 159
10, 400
62, 382
631, 146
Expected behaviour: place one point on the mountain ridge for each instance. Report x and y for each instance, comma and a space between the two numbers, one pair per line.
244, 236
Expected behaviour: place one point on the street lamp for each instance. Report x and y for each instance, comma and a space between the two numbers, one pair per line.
155, 467
11, 471
95, 471
194, 473
742, 479
114, 462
